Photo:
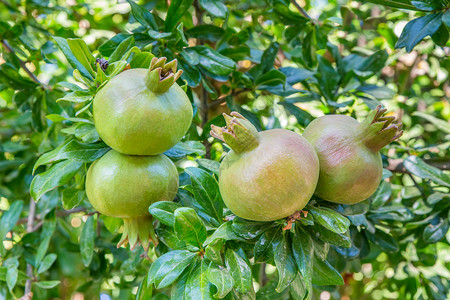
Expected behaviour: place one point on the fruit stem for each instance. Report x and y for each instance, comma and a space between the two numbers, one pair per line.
162, 76
378, 130
138, 230
239, 133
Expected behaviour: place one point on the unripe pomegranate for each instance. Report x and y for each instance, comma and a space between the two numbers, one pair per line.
266, 175
350, 161
143, 112
124, 186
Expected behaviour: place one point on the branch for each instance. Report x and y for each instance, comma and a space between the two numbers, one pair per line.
396, 165
223, 99
61, 213
22, 63
302, 11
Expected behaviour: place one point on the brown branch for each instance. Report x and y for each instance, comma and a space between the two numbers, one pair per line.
22, 63
30, 221
61, 213
396, 165
223, 99
301, 10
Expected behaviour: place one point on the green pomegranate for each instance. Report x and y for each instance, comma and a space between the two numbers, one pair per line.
350, 161
143, 112
267, 175
125, 186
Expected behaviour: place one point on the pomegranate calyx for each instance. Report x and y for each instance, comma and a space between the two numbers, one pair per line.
161, 75
138, 231
378, 130
239, 133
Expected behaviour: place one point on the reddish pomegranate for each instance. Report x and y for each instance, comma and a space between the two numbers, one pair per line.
349, 154
267, 175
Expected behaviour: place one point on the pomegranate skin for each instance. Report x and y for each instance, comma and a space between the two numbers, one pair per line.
350, 162
349, 171
271, 181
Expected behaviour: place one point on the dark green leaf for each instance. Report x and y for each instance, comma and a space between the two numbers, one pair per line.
145, 290
215, 7
163, 211
303, 251
206, 192
303, 117
381, 195
384, 240
213, 61
142, 15
249, 229
327, 236
271, 78
189, 227
167, 268
222, 279
436, 231
56, 176
427, 5
123, 48
417, 29
11, 277
87, 239
225, 231
64, 46
263, 247
206, 32
82, 54
418, 167
182, 149
325, 274
175, 12
295, 75
197, 283
213, 251
10, 218
240, 271
284, 261
46, 263
330, 219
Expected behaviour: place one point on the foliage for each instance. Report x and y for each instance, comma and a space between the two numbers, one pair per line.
278, 67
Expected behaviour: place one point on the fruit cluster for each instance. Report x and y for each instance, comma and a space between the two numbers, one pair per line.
273, 174
140, 114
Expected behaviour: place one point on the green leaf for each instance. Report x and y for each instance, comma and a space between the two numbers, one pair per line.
82, 54
189, 227
396, 4
446, 18
240, 271
440, 124
164, 212
56, 176
295, 75
65, 48
264, 246
325, 274
327, 236
271, 78
11, 277
87, 240
427, 5
225, 231
182, 149
123, 48
206, 32
284, 261
86, 133
197, 283
303, 117
384, 240
47, 232
175, 12
168, 267
330, 219
417, 29
249, 229
381, 195
213, 61
328, 79
10, 218
73, 150
46, 263
142, 15
47, 284
141, 60
206, 192
145, 290
213, 251
303, 250
222, 279
71, 198
215, 8
110, 45
418, 167
441, 36
190, 73
77, 97
435, 231
169, 238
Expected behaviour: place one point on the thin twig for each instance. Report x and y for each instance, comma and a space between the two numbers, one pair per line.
396, 165
30, 221
301, 10
22, 64
223, 99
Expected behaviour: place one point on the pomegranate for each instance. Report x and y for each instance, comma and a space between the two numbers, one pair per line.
125, 186
350, 161
143, 112
266, 175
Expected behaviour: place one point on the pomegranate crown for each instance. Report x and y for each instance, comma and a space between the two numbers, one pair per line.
378, 130
161, 75
239, 133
